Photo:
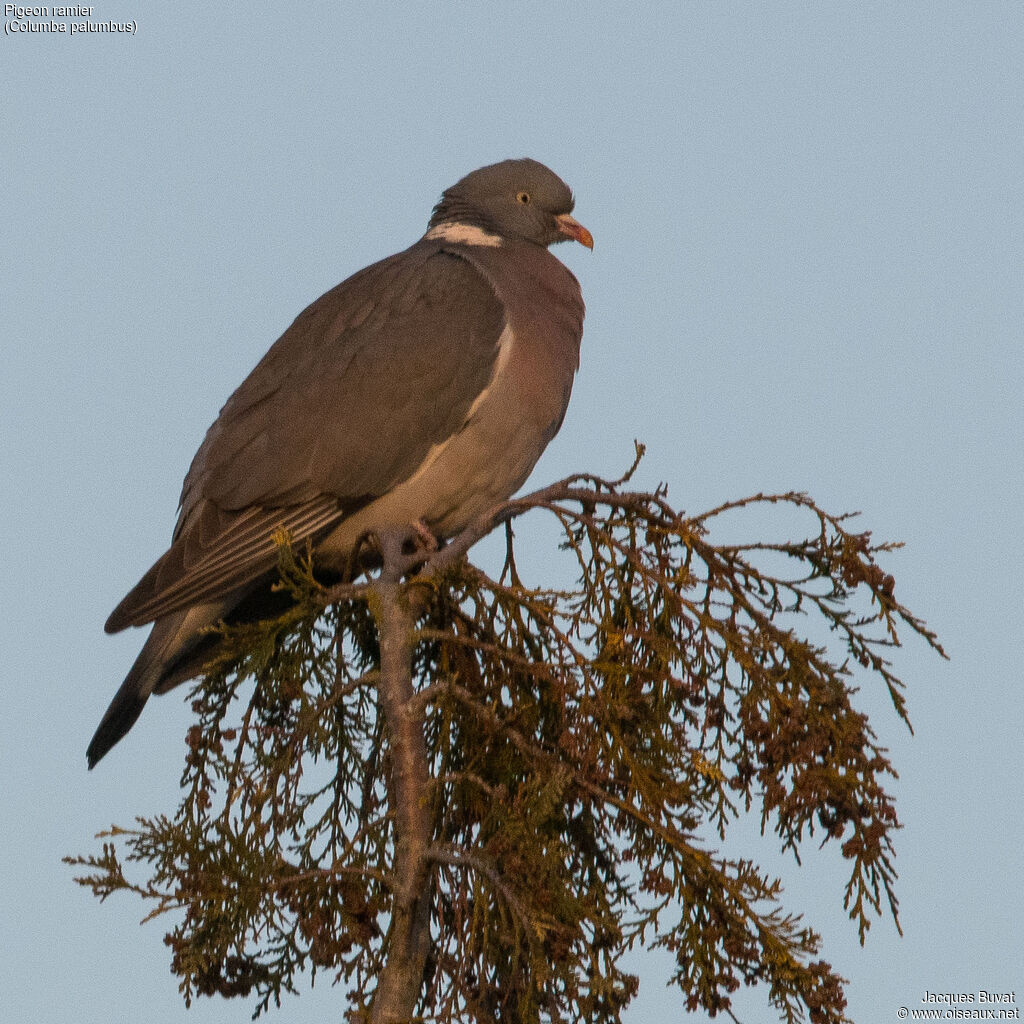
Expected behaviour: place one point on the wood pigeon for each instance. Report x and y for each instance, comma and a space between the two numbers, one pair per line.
418, 393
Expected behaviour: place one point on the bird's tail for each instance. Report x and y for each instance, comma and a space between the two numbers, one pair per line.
124, 709
140, 682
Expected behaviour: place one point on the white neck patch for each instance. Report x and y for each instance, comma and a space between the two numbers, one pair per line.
463, 234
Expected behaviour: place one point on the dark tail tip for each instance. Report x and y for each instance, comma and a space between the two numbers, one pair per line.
122, 714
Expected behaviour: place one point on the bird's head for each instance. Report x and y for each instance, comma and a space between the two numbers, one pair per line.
516, 199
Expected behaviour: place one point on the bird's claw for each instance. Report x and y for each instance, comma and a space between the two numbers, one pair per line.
423, 538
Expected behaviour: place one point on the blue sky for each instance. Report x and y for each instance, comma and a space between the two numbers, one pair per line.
808, 275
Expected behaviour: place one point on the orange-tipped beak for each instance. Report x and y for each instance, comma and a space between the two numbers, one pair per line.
572, 228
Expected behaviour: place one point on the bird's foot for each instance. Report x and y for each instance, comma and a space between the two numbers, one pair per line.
423, 538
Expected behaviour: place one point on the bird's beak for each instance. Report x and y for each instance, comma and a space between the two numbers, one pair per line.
570, 227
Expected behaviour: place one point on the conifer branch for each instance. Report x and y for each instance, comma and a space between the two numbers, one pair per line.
467, 798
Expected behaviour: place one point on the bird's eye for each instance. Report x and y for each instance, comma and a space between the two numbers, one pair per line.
523, 197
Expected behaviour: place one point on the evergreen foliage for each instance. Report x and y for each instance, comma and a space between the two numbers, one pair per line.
544, 790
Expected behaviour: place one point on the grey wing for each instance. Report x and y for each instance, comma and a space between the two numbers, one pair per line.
345, 405
351, 398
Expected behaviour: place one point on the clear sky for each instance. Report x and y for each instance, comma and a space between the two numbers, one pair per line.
808, 275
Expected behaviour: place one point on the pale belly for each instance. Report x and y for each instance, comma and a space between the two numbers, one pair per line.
485, 463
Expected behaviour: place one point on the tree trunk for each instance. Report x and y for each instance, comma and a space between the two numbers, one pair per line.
401, 980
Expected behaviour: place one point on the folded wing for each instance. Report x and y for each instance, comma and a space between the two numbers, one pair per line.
342, 408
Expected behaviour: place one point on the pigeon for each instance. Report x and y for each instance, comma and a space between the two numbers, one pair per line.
415, 395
